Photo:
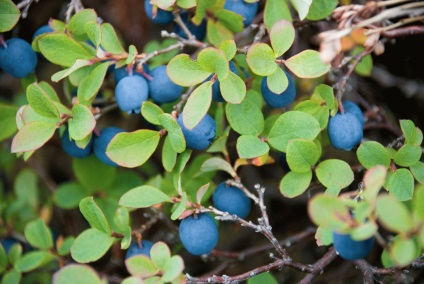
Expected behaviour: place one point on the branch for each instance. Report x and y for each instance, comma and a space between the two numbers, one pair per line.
405, 31
24, 6
318, 266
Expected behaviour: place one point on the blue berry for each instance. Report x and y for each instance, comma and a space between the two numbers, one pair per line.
279, 100
134, 249
17, 59
102, 141
247, 10
199, 234
161, 88
349, 249
283, 162
71, 148
130, 93
120, 73
354, 109
231, 199
162, 17
198, 31
345, 131
201, 136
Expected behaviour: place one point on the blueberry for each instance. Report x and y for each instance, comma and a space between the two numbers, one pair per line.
354, 109
120, 73
279, 100
71, 148
283, 162
349, 249
231, 199
198, 31
42, 30
134, 249
247, 10
7, 243
130, 93
216, 91
345, 131
162, 17
161, 88
199, 234
201, 136
17, 59
102, 141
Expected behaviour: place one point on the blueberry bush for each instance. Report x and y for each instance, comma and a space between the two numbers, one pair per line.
239, 140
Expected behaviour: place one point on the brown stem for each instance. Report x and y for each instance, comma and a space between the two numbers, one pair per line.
318, 266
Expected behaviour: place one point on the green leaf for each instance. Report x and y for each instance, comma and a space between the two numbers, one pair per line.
217, 32
233, 89
79, 63
230, 19
7, 121
94, 33
276, 10
133, 149
316, 109
364, 231
302, 154
334, 172
121, 218
132, 51
245, 118
328, 212
320, 9
62, 50
197, 105
160, 255
408, 155
277, 82
41, 102
94, 215
292, 125
418, 171
135, 280
110, 41
418, 201
39, 235
76, 274
33, 136
374, 180
326, 93
262, 278
307, 64
9, 15
3, 260
400, 184
181, 207
173, 268
250, 146
229, 48
33, 260
302, 7
186, 72
364, 66
294, 184
93, 174
282, 37
82, 122
90, 245
141, 266
393, 214
214, 60
64, 248
151, 112
142, 197
186, 4
215, 163
169, 156
175, 134
12, 276
409, 130
403, 252
90, 85
165, 4
76, 25
15, 253
261, 59
372, 153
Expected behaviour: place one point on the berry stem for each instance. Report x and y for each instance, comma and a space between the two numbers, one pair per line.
3, 42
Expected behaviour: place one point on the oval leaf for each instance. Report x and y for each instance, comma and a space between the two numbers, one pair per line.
294, 184
75, 274
307, 64
90, 245
32, 136
282, 37
186, 72
261, 59
249, 146
143, 196
197, 105
334, 173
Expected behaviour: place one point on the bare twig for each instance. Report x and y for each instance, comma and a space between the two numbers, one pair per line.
24, 6
73, 7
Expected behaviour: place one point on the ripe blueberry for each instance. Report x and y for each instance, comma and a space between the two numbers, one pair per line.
345, 131
162, 17
71, 148
350, 249
102, 141
199, 234
201, 136
247, 10
161, 88
120, 73
17, 59
231, 199
130, 93
198, 31
279, 100
354, 109
134, 249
